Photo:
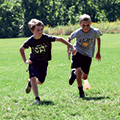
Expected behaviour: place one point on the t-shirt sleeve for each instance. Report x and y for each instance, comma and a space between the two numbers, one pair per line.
26, 44
74, 34
51, 38
98, 33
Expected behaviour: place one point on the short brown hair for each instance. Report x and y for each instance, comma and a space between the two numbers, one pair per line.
34, 22
85, 17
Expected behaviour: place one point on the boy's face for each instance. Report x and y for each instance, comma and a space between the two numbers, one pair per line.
37, 32
85, 26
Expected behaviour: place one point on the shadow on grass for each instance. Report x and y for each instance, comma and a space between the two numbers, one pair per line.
95, 98
44, 102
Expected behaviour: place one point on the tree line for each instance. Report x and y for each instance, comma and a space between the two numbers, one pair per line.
15, 14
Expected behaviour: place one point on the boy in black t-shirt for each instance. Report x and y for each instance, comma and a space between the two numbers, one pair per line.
40, 55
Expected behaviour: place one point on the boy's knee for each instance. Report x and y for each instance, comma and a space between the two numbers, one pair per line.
33, 79
40, 79
38, 82
84, 76
78, 70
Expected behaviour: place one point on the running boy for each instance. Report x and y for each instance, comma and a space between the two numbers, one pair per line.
40, 55
86, 38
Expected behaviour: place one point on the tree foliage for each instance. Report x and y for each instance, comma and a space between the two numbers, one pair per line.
10, 16
15, 14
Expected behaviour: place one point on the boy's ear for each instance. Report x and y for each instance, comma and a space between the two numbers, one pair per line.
32, 31
80, 24
90, 23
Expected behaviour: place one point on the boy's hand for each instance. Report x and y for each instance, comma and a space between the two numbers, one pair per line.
98, 56
69, 50
28, 62
74, 51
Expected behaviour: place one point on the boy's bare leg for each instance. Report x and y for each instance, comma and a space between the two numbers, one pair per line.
86, 83
84, 76
35, 90
79, 82
79, 75
34, 86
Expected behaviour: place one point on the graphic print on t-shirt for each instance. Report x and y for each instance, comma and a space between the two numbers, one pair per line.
40, 49
84, 43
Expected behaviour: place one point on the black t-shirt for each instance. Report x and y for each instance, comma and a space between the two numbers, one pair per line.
40, 48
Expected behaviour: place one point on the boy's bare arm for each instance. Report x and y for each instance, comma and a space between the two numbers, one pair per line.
98, 56
64, 41
74, 51
68, 49
69, 40
22, 49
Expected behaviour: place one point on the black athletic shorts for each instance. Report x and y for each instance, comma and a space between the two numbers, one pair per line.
39, 70
81, 61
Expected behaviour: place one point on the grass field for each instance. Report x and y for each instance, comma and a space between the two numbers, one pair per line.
59, 99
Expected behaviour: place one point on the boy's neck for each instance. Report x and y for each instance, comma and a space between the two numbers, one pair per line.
37, 37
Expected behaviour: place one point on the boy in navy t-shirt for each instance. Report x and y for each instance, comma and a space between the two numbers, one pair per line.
40, 54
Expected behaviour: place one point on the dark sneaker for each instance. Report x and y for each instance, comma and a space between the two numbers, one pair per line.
72, 77
28, 88
81, 94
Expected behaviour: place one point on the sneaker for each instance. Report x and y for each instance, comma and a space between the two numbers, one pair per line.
72, 77
36, 102
81, 94
28, 88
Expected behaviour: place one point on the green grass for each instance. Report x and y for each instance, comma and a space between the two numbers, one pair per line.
59, 100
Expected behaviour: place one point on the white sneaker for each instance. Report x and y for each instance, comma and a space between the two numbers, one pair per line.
36, 102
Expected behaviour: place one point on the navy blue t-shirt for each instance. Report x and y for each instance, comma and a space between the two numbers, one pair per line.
40, 48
